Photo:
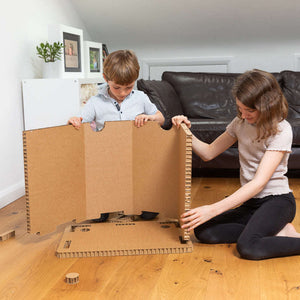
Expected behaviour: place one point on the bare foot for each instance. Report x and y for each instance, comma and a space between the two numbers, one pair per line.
289, 231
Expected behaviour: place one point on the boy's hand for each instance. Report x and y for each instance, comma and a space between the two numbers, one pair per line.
75, 121
142, 119
177, 120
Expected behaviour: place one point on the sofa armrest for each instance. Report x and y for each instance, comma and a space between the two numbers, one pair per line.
290, 85
163, 95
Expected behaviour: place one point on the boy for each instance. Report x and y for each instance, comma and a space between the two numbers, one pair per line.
117, 100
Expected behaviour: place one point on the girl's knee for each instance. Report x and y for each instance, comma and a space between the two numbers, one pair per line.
249, 250
205, 236
244, 252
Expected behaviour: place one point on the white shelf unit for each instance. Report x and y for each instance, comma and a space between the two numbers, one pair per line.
51, 102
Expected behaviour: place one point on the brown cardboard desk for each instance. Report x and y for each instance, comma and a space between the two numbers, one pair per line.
76, 174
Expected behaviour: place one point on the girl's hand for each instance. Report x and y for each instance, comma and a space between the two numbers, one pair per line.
197, 216
75, 121
177, 120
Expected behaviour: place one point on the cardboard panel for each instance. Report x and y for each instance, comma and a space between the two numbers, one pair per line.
77, 174
54, 177
156, 170
108, 156
121, 239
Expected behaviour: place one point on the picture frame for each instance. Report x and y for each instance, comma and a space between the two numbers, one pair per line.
72, 63
93, 59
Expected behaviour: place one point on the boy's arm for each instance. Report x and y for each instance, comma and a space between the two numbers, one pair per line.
87, 115
159, 118
142, 119
151, 113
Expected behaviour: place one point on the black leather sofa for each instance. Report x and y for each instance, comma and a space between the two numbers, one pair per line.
205, 98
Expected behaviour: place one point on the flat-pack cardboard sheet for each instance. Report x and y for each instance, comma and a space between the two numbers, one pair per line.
78, 174
112, 239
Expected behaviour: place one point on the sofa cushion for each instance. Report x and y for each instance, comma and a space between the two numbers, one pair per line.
291, 88
162, 94
204, 95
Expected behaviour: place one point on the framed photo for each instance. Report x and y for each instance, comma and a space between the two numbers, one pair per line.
72, 55
72, 63
93, 59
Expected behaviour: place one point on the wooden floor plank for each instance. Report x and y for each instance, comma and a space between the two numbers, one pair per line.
175, 281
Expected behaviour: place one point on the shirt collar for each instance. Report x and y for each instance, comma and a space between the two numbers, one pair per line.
103, 90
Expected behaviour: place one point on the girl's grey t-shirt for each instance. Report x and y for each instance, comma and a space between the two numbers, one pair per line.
252, 150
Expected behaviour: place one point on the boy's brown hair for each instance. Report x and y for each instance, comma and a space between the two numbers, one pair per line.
260, 90
122, 67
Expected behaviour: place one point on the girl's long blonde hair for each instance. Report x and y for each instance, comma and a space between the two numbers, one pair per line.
260, 90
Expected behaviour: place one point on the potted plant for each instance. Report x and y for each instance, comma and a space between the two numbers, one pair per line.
50, 53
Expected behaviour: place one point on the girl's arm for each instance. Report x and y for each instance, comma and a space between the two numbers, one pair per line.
206, 151
210, 151
267, 167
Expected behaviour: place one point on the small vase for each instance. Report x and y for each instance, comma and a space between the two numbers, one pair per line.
50, 70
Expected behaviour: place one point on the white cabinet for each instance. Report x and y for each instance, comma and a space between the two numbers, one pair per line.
51, 102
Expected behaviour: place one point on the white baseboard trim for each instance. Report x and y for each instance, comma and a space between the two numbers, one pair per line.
297, 62
12, 193
149, 63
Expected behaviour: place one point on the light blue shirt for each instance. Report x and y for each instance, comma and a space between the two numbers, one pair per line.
102, 107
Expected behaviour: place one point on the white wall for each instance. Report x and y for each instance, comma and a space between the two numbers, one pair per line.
23, 25
271, 57
256, 34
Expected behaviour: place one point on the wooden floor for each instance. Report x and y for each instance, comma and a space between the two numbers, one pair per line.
29, 268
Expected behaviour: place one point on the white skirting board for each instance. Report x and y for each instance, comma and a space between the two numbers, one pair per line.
12, 193
152, 69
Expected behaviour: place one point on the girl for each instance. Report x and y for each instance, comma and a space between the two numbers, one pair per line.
257, 216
